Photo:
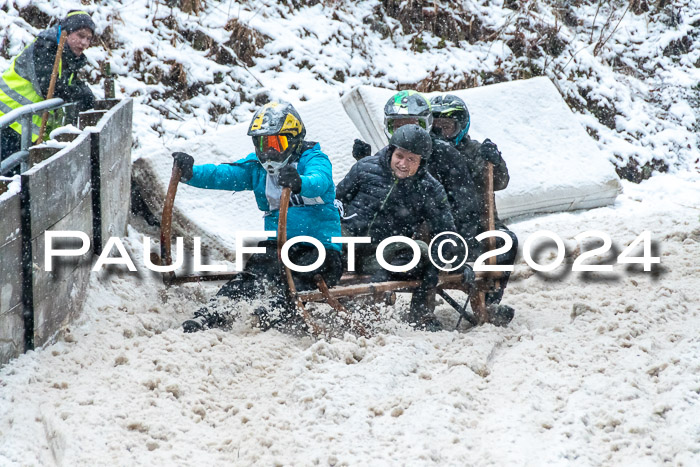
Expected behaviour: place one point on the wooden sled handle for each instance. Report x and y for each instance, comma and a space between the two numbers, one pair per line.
281, 240
166, 222
165, 258
478, 298
489, 208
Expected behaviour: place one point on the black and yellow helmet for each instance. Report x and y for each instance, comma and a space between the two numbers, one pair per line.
277, 132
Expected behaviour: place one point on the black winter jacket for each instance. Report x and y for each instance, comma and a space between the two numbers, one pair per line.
469, 148
379, 205
448, 166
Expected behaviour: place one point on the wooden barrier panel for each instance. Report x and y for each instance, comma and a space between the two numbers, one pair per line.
111, 162
11, 320
56, 195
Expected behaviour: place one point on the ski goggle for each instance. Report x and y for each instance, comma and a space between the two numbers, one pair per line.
266, 143
394, 123
448, 127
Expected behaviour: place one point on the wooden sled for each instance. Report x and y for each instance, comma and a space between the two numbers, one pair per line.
350, 285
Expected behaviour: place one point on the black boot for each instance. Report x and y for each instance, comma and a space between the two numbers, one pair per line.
293, 324
241, 287
264, 320
205, 319
421, 315
500, 315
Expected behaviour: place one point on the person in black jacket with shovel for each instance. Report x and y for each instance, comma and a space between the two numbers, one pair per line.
390, 194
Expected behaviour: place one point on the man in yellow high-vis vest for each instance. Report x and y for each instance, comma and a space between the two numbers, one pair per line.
27, 80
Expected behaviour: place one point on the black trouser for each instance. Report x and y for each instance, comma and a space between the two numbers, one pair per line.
263, 277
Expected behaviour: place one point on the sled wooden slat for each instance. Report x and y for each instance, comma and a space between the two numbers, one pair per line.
343, 312
449, 282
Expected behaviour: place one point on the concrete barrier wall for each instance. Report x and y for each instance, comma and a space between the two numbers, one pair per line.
57, 193
11, 320
111, 150
84, 187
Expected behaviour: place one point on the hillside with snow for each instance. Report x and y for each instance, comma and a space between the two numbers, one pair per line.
597, 368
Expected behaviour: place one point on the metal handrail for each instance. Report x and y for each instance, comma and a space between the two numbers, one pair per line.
23, 115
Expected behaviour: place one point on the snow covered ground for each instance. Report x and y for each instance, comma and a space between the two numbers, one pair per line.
597, 370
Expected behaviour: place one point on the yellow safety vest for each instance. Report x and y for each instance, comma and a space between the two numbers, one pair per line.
19, 86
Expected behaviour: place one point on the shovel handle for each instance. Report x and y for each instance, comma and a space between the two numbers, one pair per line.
52, 84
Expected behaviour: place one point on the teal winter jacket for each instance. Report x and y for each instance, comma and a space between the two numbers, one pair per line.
311, 212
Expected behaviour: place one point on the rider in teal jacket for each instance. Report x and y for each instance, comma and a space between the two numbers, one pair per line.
311, 212
282, 159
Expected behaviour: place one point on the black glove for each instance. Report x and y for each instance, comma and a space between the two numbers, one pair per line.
360, 149
184, 162
489, 152
84, 98
469, 277
289, 177
78, 93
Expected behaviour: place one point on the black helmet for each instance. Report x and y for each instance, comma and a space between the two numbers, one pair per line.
407, 107
414, 139
450, 117
277, 132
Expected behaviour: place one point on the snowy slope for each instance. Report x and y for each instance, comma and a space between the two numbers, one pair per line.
628, 69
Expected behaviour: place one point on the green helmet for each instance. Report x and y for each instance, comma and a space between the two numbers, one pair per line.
407, 107
277, 132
